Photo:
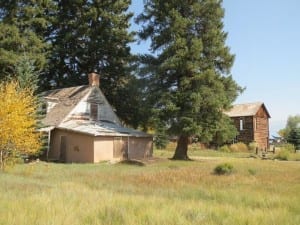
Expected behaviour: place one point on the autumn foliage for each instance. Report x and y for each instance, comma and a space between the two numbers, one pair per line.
18, 134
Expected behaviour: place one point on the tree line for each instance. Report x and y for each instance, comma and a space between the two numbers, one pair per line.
181, 87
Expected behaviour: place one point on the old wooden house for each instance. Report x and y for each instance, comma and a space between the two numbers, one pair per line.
252, 123
83, 127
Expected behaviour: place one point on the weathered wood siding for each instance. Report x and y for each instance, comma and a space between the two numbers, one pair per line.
245, 135
261, 132
255, 128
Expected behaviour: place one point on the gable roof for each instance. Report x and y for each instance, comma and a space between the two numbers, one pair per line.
248, 109
65, 100
62, 105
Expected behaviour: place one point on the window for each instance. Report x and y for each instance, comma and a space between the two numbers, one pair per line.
94, 111
241, 123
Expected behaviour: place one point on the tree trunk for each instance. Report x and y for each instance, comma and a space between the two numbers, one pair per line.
182, 148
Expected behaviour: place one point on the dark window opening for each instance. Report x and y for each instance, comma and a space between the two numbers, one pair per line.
94, 111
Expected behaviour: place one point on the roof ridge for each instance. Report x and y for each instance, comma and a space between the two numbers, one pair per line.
249, 103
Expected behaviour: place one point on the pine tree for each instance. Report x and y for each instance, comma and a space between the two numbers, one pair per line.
27, 78
91, 35
189, 68
23, 25
26, 74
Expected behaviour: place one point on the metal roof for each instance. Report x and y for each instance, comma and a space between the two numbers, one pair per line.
101, 128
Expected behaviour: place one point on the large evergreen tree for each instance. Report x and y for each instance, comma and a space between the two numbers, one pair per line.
23, 25
92, 35
190, 67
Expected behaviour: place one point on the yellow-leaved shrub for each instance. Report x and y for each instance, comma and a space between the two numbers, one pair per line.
17, 122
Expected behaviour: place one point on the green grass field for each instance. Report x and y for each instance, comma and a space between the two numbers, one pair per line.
161, 192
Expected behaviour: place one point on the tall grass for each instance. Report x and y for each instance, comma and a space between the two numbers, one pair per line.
164, 192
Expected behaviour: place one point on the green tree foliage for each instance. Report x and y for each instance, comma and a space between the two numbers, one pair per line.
294, 137
66, 40
23, 25
91, 35
225, 132
190, 67
26, 74
28, 77
291, 124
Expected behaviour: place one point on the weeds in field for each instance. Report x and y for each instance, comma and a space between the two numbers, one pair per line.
165, 192
223, 169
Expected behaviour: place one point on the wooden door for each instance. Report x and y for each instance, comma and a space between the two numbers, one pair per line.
120, 147
63, 149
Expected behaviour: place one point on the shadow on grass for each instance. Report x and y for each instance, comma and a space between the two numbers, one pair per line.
133, 162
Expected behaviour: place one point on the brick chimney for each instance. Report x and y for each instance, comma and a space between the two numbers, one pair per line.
94, 79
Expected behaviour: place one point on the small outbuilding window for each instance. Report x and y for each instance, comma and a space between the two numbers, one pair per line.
94, 112
242, 121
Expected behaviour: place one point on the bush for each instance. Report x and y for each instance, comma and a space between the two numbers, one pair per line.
284, 154
288, 147
161, 141
222, 169
239, 147
252, 171
224, 148
252, 146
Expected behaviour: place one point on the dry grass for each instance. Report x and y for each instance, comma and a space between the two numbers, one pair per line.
164, 192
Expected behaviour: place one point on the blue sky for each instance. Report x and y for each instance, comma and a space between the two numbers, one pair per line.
264, 35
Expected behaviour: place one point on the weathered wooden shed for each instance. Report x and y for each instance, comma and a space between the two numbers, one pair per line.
252, 123
83, 127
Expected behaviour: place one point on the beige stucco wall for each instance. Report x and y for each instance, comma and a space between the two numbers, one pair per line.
82, 148
140, 147
103, 148
79, 147
54, 145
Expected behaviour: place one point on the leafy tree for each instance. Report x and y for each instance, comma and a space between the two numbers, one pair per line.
189, 67
291, 132
23, 25
17, 122
291, 124
294, 137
